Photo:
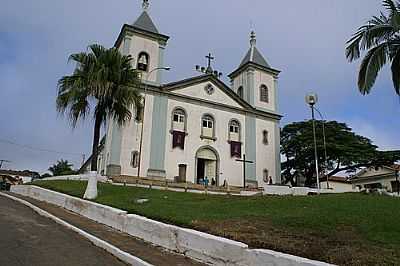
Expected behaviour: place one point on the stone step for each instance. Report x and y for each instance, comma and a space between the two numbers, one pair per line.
162, 182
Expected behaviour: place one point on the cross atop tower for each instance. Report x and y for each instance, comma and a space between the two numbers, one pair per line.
253, 39
145, 4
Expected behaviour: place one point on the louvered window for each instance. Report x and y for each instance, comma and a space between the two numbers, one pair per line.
264, 97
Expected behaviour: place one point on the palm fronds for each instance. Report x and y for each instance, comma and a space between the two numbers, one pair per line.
381, 39
102, 77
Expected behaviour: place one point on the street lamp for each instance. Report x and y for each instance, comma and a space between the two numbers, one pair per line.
312, 99
144, 111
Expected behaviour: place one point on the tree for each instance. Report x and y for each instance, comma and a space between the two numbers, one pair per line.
62, 167
346, 151
45, 175
381, 38
103, 79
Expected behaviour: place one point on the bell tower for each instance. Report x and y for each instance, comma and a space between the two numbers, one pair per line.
145, 44
255, 80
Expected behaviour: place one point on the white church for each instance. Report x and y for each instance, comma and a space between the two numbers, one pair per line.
197, 127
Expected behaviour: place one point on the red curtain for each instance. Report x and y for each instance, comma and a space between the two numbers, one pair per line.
236, 149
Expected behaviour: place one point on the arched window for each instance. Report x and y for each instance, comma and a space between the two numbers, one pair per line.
265, 137
135, 159
179, 120
234, 130
143, 62
264, 97
208, 126
240, 92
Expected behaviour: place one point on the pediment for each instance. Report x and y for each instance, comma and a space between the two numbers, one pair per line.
207, 88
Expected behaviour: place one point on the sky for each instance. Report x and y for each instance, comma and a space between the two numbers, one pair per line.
303, 39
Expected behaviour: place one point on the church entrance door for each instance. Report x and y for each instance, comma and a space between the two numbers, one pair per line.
201, 164
207, 166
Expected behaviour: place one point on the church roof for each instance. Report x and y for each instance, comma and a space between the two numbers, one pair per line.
254, 56
144, 22
143, 25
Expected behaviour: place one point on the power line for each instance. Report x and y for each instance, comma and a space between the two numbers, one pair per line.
37, 149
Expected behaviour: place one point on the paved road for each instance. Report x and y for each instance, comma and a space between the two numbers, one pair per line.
147, 252
27, 238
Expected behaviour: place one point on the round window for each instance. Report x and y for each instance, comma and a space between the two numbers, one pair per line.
209, 89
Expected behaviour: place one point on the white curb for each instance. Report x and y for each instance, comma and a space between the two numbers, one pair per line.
122, 255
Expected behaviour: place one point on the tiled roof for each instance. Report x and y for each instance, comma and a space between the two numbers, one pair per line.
144, 22
341, 179
254, 56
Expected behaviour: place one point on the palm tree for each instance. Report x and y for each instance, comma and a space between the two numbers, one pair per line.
381, 39
104, 80
62, 167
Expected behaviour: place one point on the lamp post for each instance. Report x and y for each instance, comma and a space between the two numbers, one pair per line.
325, 152
144, 111
312, 99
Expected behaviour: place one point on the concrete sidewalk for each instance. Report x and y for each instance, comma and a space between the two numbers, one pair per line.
27, 238
129, 244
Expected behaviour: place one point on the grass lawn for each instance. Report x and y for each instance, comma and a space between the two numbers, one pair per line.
344, 229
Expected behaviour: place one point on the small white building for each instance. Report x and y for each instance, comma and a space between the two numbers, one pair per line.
338, 184
197, 127
378, 178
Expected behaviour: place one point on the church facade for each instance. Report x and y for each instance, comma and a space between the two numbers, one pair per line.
197, 127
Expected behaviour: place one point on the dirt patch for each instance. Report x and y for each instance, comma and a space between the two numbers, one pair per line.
344, 246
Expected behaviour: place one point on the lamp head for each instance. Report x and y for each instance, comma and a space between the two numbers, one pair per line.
311, 99
167, 68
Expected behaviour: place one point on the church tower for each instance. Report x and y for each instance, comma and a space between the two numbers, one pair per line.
145, 44
255, 81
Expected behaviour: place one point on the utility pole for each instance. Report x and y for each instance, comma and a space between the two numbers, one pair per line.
326, 154
4, 161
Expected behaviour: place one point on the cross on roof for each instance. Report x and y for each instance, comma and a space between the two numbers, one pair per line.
210, 58
209, 69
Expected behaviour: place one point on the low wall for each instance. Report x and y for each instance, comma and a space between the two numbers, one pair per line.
94, 211
197, 245
295, 191
82, 177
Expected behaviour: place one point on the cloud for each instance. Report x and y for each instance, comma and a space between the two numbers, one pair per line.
384, 139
